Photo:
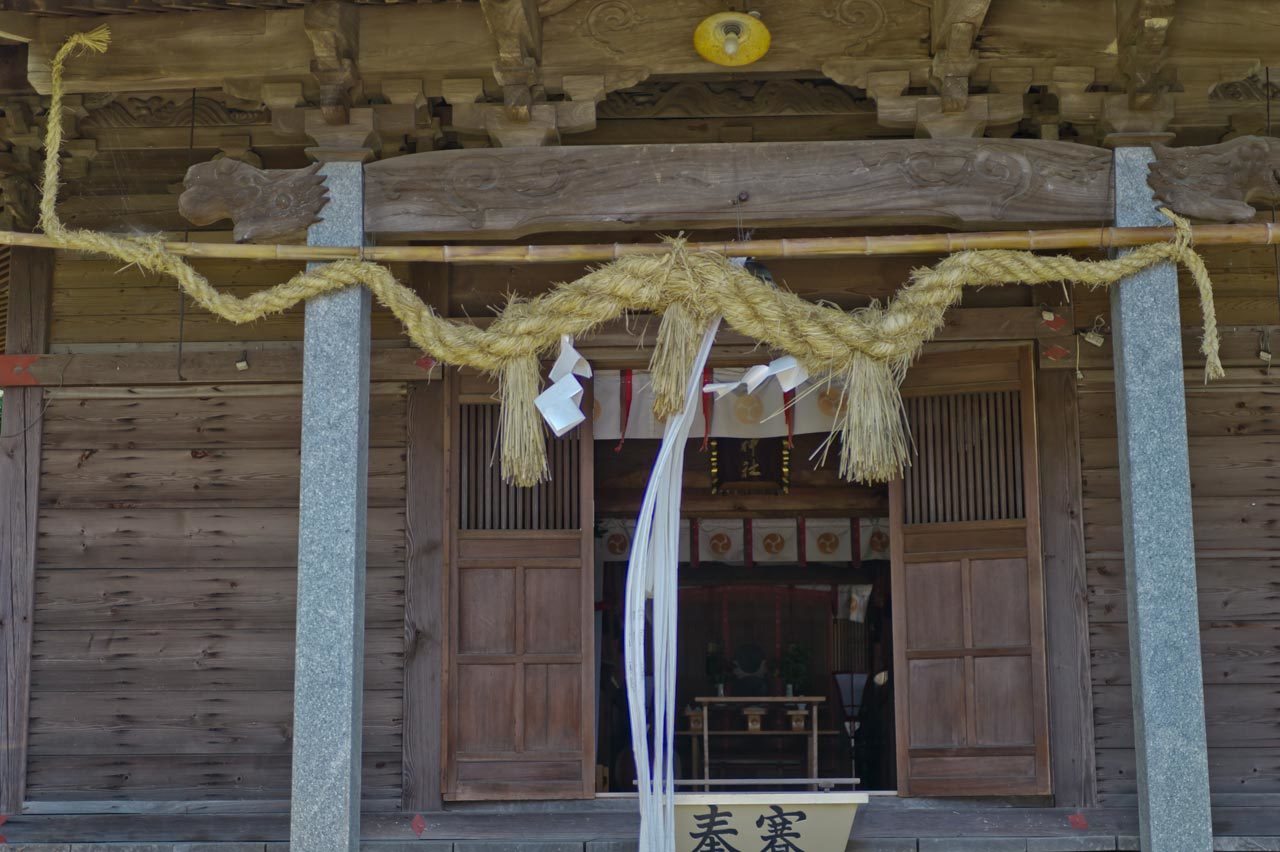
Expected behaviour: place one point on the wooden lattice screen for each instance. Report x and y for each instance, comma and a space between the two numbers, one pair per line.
485, 502
969, 461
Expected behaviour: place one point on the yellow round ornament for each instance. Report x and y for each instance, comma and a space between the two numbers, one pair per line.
731, 38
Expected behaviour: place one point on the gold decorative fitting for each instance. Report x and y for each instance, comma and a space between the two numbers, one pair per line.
732, 38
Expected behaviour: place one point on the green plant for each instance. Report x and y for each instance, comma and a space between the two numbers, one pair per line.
794, 666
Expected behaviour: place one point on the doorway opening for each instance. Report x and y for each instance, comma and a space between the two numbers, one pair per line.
784, 649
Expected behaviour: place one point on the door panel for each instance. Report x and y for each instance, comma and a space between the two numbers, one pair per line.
519, 674
967, 582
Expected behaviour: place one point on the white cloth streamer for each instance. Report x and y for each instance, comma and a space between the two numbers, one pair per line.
652, 573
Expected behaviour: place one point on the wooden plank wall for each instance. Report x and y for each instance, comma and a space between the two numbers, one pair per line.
21, 427
1234, 440
165, 588
95, 301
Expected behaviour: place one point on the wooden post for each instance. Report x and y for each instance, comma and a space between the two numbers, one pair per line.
427, 504
1071, 746
30, 283
1159, 548
329, 673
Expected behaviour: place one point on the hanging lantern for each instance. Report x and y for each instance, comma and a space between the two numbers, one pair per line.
732, 38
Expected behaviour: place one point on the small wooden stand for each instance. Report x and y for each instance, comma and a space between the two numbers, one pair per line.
754, 712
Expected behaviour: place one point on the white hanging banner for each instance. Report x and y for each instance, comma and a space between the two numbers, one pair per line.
774, 540
721, 540
737, 412
614, 535
828, 540
874, 537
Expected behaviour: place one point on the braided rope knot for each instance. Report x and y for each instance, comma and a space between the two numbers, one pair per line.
867, 349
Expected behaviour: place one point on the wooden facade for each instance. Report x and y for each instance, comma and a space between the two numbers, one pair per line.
148, 548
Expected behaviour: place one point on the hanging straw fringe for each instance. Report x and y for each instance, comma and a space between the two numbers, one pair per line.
869, 349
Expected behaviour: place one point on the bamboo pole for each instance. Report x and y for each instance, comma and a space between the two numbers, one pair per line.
1254, 233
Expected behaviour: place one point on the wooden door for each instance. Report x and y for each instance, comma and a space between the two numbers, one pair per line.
968, 599
519, 678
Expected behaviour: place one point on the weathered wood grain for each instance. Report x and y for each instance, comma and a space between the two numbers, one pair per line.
195, 538
26, 331
133, 369
1237, 716
196, 477
1231, 770
955, 183
177, 777
187, 723
176, 659
197, 326
1230, 588
1211, 411
1066, 618
269, 422
427, 511
1233, 652
192, 598
1243, 525
1220, 466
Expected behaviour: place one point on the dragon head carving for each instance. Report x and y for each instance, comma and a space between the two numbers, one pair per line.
1218, 182
265, 205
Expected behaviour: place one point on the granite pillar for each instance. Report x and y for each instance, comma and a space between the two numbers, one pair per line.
1159, 548
328, 677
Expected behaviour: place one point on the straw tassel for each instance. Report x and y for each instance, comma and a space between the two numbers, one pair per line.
871, 422
524, 445
673, 353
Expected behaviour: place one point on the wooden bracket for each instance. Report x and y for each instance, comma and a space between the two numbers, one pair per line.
536, 125
1218, 182
265, 205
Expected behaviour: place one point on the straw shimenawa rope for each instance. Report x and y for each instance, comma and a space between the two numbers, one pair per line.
867, 350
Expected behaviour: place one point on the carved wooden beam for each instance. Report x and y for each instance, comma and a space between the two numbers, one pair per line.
970, 184
266, 206
957, 183
333, 28
1218, 182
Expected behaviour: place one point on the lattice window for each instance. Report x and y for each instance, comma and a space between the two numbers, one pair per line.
485, 502
967, 464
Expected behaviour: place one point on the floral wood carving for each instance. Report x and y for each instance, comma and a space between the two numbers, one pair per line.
700, 100
160, 111
1218, 182
606, 19
265, 205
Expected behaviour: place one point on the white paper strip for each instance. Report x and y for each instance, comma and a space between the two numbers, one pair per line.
570, 362
561, 405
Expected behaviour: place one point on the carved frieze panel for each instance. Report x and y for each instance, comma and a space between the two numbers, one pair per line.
611, 33
731, 100
169, 111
